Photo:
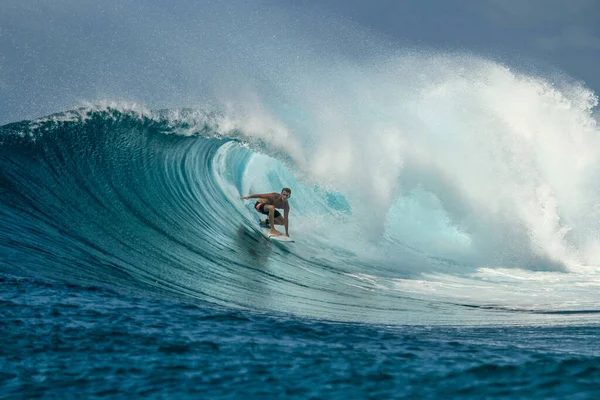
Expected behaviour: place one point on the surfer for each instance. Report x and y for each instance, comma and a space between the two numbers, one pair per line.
268, 203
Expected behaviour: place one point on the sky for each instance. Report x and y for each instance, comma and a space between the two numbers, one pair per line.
562, 34
58, 54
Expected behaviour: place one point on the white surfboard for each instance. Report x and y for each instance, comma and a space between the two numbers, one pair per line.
279, 238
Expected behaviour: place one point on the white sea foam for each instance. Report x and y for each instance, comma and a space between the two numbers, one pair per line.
506, 160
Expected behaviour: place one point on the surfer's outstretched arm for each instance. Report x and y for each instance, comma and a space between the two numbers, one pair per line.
258, 196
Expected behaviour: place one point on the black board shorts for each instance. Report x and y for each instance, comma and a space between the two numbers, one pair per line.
260, 207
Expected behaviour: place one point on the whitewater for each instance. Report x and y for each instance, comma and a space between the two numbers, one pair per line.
444, 209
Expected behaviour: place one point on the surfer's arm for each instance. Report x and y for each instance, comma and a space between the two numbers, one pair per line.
258, 196
286, 213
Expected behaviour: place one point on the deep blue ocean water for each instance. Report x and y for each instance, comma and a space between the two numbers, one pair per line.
71, 341
130, 268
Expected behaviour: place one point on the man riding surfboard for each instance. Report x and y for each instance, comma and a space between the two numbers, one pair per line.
268, 203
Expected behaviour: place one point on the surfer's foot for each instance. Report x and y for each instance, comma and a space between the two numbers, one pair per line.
275, 232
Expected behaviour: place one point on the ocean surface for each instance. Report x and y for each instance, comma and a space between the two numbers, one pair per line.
439, 257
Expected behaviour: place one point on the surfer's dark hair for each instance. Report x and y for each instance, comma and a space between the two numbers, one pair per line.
287, 190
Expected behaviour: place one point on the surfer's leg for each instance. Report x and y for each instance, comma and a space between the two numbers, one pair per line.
276, 221
271, 211
277, 217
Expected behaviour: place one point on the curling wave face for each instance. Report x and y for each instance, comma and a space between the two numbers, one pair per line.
140, 200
